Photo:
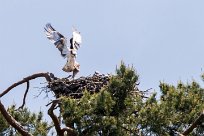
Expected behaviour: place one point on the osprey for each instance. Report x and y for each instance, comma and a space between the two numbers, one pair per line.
60, 43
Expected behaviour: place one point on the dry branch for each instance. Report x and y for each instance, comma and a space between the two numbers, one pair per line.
54, 117
45, 75
24, 98
60, 131
6, 115
13, 122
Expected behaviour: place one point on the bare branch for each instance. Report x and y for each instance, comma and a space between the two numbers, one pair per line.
60, 131
39, 93
6, 115
194, 125
13, 122
54, 118
54, 101
45, 75
26, 92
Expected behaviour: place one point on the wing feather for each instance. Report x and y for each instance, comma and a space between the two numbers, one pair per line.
77, 40
57, 38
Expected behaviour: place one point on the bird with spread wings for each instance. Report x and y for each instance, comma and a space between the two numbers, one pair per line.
60, 43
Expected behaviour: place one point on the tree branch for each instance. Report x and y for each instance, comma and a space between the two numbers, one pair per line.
45, 75
13, 122
6, 115
54, 117
194, 125
26, 92
60, 131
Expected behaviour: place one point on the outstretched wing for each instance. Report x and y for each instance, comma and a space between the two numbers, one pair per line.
76, 39
58, 39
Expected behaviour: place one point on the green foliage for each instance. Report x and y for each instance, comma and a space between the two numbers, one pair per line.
87, 111
3, 124
33, 122
121, 85
116, 110
176, 110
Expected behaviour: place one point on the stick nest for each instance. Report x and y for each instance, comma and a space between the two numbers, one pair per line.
74, 87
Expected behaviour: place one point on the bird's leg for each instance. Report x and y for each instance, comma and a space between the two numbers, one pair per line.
75, 71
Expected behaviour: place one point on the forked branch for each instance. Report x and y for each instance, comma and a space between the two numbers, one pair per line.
37, 75
6, 115
60, 131
13, 122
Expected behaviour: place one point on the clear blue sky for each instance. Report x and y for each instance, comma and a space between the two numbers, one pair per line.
163, 39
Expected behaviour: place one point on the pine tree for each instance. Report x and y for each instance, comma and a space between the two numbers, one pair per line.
120, 108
